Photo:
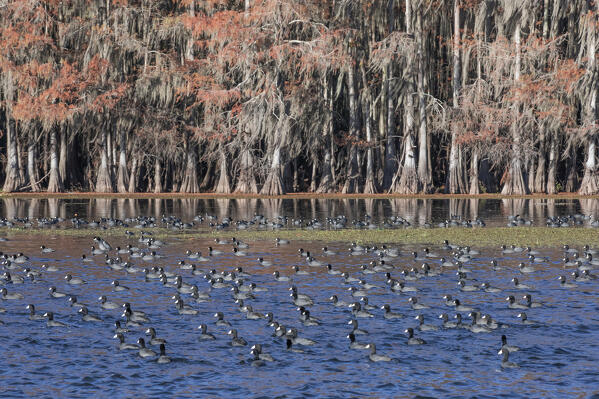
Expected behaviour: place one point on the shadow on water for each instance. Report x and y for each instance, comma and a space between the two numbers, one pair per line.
417, 211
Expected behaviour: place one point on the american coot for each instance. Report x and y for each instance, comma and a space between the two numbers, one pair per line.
505, 360
413, 340
124, 345
375, 357
143, 351
163, 358
353, 344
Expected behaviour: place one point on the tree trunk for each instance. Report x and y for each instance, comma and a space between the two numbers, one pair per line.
12, 181
455, 183
590, 181
157, 176
133, 175
370, 185
552, 170
515, 182
474, 182
247, 180
572, 175
274, 182
62, 163
31, 164
122, 184
223, 186
352, 178
390, 165
424, 170
326, 178
540, 185
55, 183
190, 177
406, 179
104, 179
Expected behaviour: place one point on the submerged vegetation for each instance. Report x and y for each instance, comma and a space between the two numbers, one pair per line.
280, 96
480, 237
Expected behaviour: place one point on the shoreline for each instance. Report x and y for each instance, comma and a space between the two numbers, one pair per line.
479, 237
79, 195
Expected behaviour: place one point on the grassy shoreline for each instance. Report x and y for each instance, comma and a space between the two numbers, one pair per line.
82, 195
480, 237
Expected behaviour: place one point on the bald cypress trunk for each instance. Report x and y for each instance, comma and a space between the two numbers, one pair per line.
157, 175
122, 181
223, 186
455, 183
55, 183
31, 163
104, 178
590, 181
406, 179
516, 182
352, 178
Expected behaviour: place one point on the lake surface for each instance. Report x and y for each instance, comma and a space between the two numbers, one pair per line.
557, 358
494, 212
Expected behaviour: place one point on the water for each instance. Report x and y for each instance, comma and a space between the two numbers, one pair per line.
416, 211
558, 358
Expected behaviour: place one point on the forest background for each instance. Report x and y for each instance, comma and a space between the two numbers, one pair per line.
279, 96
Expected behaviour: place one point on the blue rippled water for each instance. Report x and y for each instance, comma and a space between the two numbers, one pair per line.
558, 358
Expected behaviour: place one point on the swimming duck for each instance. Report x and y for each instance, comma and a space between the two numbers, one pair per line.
292, 334
183, 310
204, 334
32, 314
389, 314
119, 329
73, 280
467, 288
117, 287
301, 301
290, 347
375, 357
424, 327
122, 344
298, 271
220, 321
525, 320
106, 304
413, 340
461, 308
505, 363
353, 344
49, 268
519, 285
278, 276
5, 295
526, 269
355, 329
357, 311
51, 322
336, 302
163, 358
86, 316
415, 305
504, 345
446, 322
153, 340
235, 340
530, 303
143, 351
261, 355
512, 303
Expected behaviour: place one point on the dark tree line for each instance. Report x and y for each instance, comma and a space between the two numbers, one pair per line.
276, 96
